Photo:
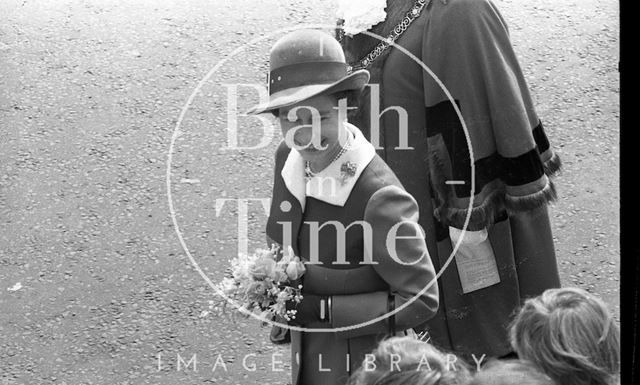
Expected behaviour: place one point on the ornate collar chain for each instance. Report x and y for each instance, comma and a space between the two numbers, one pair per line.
397, 31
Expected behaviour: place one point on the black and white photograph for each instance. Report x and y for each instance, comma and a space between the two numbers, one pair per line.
312, 192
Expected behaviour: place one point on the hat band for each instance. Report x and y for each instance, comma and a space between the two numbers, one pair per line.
305, 74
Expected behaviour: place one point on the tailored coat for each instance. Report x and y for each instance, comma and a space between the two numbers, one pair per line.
466, 45
359, 271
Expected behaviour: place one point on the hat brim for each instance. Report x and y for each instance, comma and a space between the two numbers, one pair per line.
354, 81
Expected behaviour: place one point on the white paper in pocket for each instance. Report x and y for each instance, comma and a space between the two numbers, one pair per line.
475, 259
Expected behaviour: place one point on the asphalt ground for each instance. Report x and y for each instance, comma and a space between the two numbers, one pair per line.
95, 287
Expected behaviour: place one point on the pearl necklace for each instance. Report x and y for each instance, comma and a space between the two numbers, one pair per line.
308, 173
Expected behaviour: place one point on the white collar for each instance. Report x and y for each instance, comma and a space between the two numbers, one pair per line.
331, 185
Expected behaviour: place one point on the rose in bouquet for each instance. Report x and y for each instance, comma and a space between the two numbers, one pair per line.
263, 282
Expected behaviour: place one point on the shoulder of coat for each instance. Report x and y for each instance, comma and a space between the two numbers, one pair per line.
460, 10
377, 174
390, 196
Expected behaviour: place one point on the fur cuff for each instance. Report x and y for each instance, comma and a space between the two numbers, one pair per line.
515, 205
481, 216
553, 166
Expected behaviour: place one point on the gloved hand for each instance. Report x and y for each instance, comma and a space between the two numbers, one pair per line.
280, 335
307, 310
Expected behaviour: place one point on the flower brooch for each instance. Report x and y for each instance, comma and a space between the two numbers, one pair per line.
347, 170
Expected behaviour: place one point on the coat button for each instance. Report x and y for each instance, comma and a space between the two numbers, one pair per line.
285, 206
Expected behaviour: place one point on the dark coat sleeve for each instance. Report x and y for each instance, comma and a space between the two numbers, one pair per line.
468, 51
273, 233
404, 264
467, 47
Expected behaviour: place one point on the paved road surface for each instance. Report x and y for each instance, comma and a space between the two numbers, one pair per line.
94, 285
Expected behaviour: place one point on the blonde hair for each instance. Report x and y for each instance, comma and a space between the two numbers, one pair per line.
510, 372
417, 363
570, 335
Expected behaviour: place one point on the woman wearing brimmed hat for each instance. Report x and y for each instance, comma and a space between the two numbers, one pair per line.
335, 202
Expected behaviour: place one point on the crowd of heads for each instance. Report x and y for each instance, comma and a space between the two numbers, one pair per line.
563, 337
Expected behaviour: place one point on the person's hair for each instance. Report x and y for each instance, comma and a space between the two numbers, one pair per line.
352, 97
510, 372
409, 361
570, 335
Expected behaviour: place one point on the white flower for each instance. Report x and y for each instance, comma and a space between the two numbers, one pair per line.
287, 256
262, 268
295, 269
360, 15
228, 286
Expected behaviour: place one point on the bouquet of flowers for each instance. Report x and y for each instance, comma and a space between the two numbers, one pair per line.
264, 281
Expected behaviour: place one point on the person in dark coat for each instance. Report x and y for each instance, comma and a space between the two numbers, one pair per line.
462, 101
344, 213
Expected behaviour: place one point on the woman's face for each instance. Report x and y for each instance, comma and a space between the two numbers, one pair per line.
313, 127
